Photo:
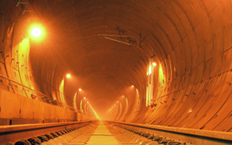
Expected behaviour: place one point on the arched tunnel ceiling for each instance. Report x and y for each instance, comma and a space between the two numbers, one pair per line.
105, 67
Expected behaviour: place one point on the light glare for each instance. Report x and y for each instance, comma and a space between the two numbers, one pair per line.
68, 76
36, 32
149, 70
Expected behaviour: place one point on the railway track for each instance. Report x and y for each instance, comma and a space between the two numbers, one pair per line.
108, 133
175, 135
11, 134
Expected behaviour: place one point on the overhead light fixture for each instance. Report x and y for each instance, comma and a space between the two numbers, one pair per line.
190, 110
68, 76
36, 31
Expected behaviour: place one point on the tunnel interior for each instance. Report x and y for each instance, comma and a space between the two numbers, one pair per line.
151, 62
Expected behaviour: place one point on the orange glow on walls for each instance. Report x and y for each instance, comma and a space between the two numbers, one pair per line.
61, 89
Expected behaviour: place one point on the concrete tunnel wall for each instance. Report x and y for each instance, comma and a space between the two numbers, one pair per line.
191, 41
195, 54
19, 103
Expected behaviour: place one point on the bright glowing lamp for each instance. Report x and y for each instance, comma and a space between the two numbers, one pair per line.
79, 89
36, 32
190, 111
154, 64
68, 76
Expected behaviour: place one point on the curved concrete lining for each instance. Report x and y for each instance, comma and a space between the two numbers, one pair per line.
176, 53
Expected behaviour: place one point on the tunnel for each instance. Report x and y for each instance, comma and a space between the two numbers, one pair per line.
116, 71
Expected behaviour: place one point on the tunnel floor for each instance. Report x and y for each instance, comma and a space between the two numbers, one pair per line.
102, 136
99, 134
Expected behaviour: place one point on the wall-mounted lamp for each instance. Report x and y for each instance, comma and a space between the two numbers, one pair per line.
68, 76
36, 32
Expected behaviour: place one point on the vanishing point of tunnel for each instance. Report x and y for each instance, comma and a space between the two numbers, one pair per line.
165, 64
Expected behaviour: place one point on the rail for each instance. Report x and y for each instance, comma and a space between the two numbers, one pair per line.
13, 133
186, 134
